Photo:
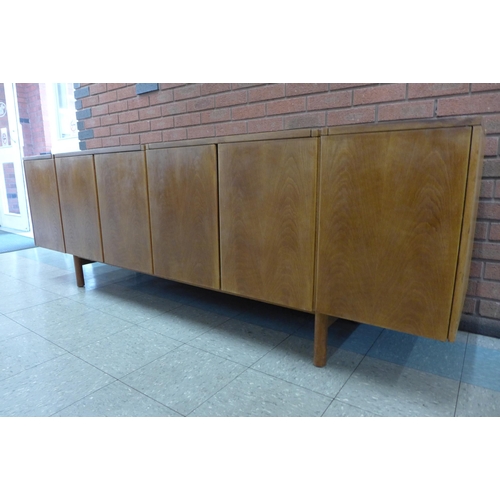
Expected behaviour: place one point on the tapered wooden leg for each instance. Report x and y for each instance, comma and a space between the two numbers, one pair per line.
79, 263
321, 324
80, 280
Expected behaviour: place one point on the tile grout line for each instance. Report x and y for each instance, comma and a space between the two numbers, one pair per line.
293, 383
352, 373
241, 373
364, 356
153, 399
461, 375
343, 385
174, 349
217, 392
82, 398
77, 315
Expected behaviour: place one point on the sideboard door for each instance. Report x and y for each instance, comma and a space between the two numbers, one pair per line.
123, 205
43, 196
267, 193
390, 218
79, 210
184, 214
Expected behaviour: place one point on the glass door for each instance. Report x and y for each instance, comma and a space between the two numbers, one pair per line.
14, 213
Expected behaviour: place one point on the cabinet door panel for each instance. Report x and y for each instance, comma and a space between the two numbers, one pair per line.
184, 214
390, 216
124, 210
79, 211
267, 220
44, 203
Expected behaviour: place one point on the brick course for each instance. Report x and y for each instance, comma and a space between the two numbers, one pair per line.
416, 90
214, 88
117, 116
406, 110
331, 100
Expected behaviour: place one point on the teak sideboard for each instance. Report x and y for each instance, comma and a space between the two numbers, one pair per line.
370, 223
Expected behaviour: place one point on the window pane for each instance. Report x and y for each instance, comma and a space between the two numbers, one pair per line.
66, 115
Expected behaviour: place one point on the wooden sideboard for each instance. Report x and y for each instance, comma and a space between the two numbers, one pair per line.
371, 223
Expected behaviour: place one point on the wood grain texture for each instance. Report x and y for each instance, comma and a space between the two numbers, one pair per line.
468, 228
43, 196
124, 209
184, 214
267, 220
390, 215
79, 208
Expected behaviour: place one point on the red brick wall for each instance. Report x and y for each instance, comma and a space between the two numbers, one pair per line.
112, 114
36, 136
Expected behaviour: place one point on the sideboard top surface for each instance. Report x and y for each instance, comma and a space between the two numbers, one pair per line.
99, 151
281, 134
262, 136
403, 125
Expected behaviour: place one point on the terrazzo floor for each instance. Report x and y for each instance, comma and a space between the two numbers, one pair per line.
130, 345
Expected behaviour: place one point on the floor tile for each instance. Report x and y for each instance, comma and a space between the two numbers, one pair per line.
213, 354
6, 260
42, 316
292, 361
9, 286
117, 400
138, 307
339, 409
178, 292
474, 401
238, 341
30, 271
10, 328
440, 358
99, 268
347, 335
482, 367
125, 303
97, 275
184, 323
51, 257
184, 378
25, 351
137, 279
221, 303
274, 317
482, 341
106, 273
97, 283
388, 389
126, 351
48, 388
17, 301
102, 297
73, 332
356, 338
255, 394
61, 285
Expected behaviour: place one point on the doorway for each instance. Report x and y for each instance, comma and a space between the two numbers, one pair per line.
35, 119
14, 211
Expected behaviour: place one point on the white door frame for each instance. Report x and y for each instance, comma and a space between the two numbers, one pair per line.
12, 153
